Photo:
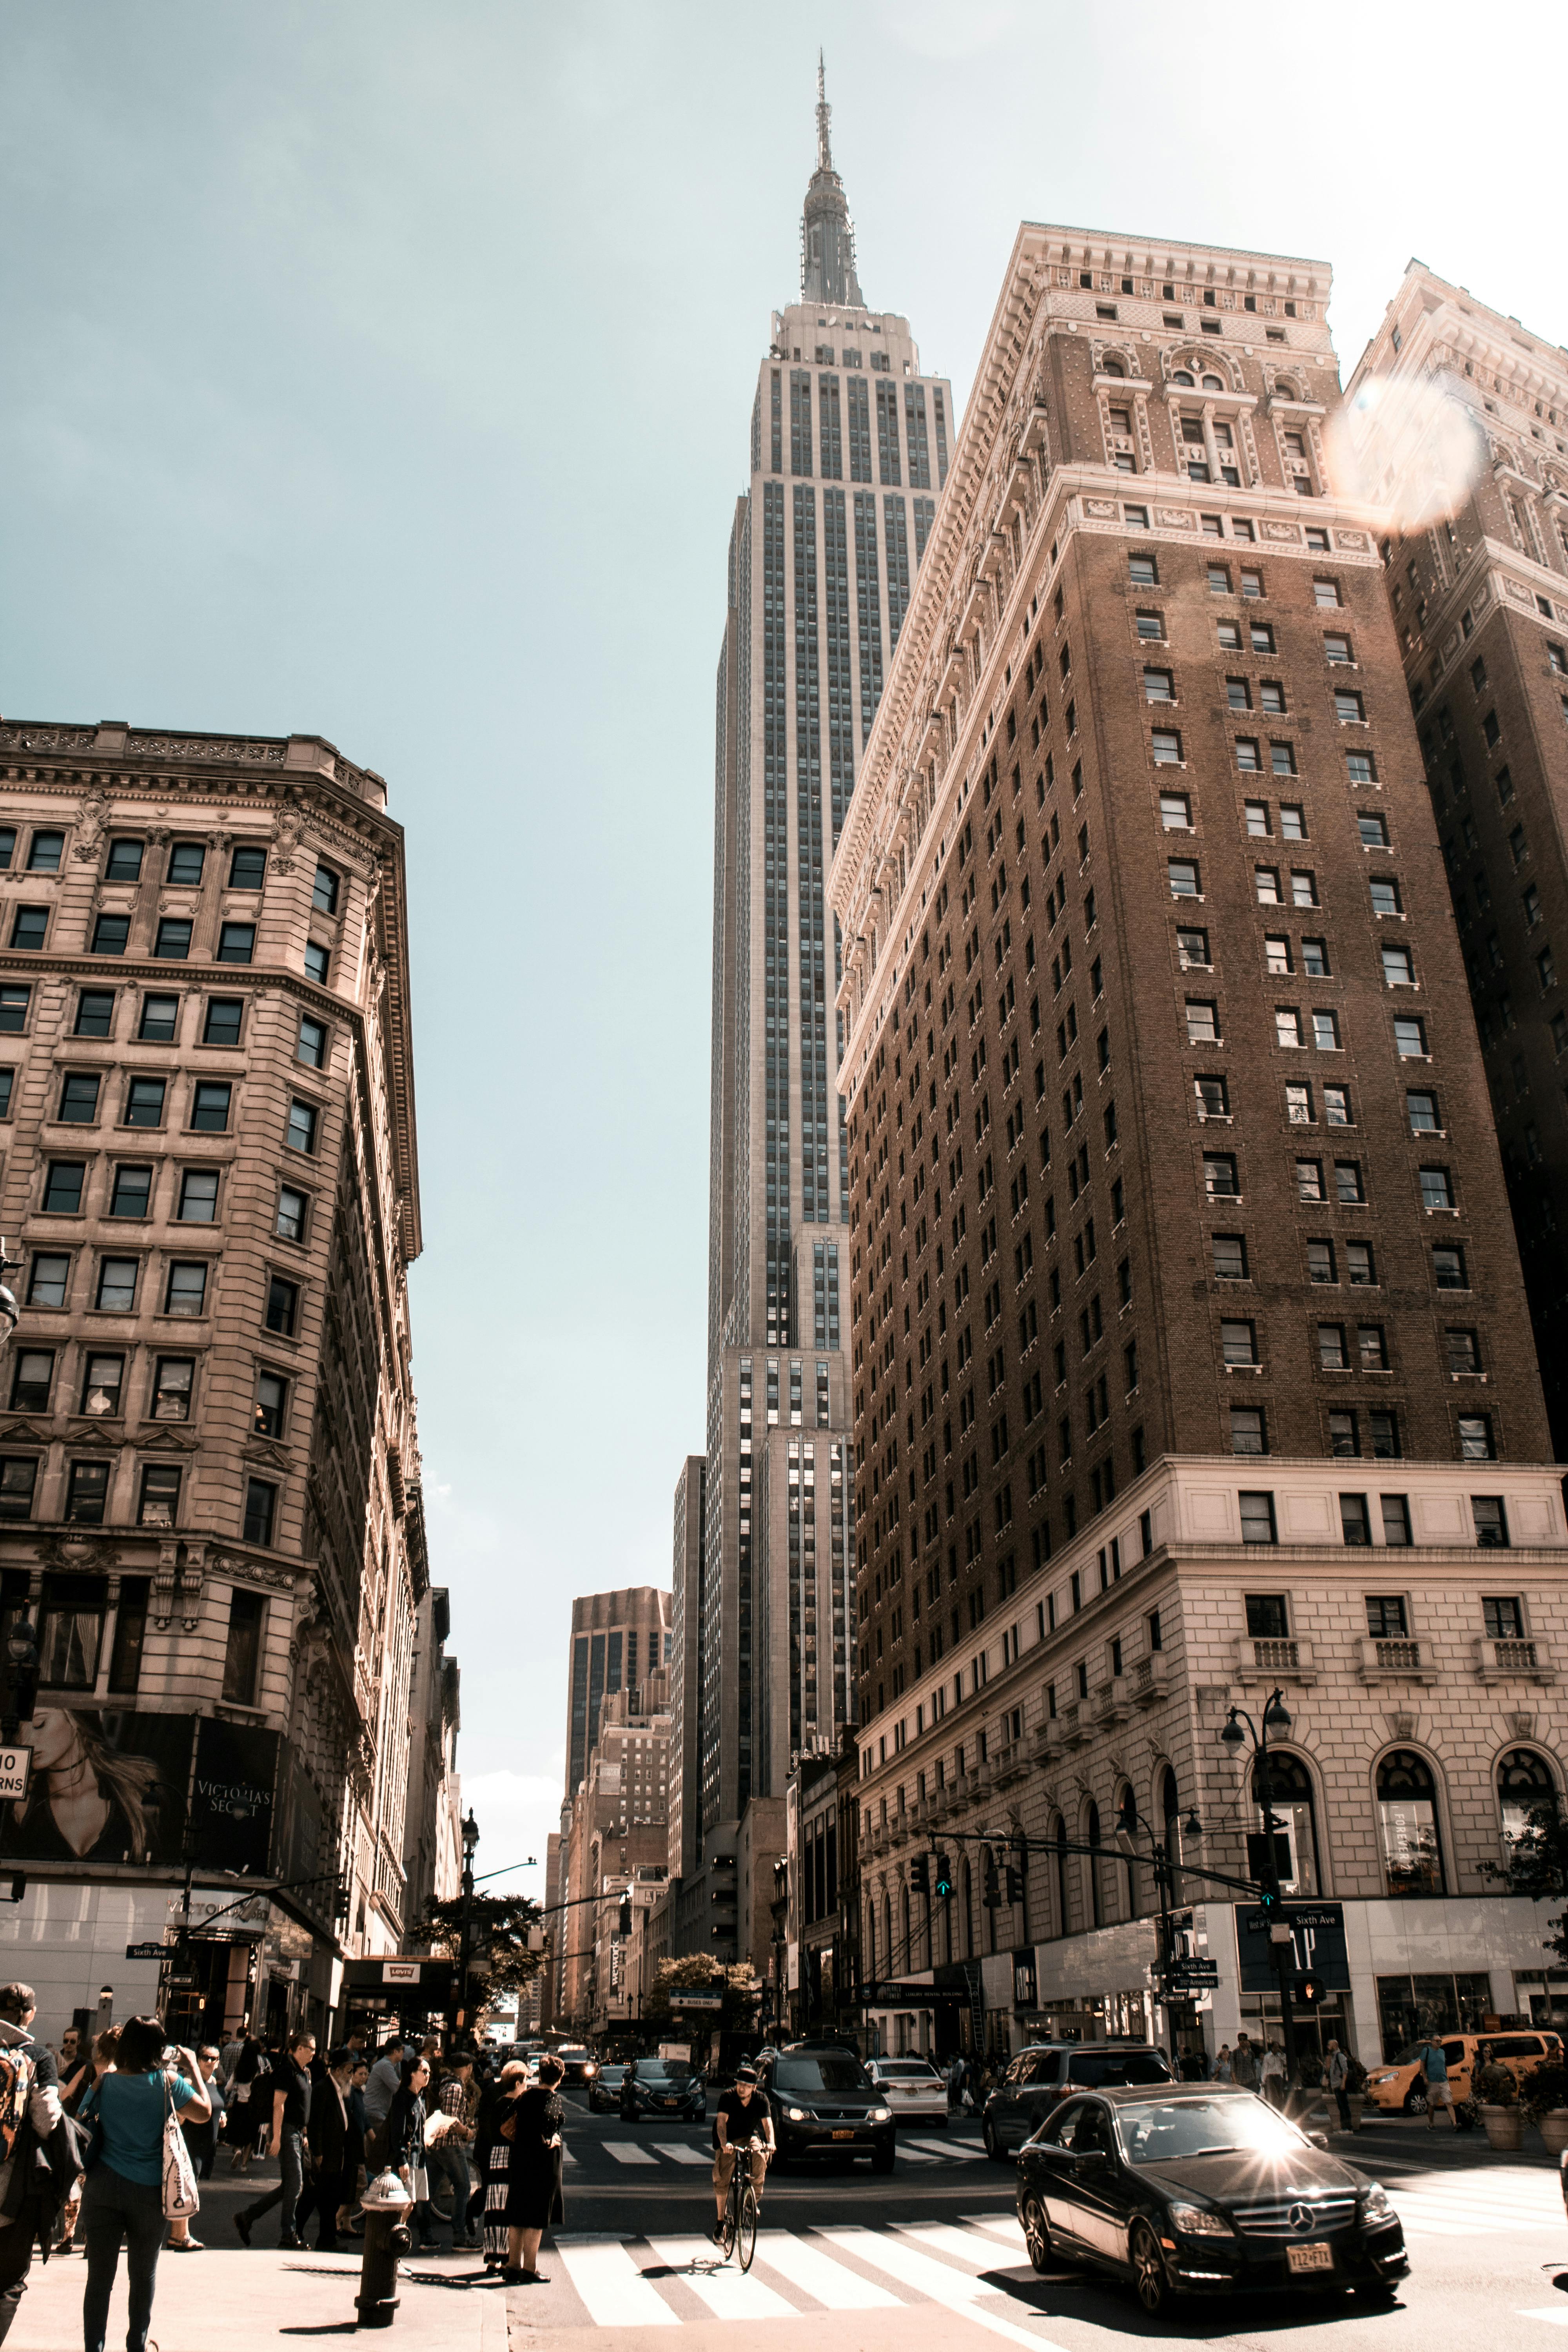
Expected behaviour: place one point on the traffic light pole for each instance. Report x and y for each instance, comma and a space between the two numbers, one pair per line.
1281, 1944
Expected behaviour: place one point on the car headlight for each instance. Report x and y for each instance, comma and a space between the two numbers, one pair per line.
880, 2115
1198, 2221
590, 2071
796, 2115
1376, 2204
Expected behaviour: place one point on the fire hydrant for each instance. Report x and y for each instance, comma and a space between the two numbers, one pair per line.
386, 2236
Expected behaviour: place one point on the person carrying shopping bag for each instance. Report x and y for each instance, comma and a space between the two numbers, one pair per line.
125, 2199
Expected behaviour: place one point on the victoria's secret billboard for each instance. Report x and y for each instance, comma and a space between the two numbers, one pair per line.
117, 1785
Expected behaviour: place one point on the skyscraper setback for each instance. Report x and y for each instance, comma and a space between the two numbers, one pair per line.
849, 446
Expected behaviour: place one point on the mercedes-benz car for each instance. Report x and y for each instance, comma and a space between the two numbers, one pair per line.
823, 2103
664, 2087
1202, 2189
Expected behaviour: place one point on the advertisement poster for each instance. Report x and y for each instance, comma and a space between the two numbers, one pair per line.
107, 1786
232, 1796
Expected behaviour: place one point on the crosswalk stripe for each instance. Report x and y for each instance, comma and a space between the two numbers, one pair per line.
938, 2282
628, 2152
729, 2292
1001, 2225
610, 2285
803, 2263
955, 2151
679, 2154
1556, 2313
910, 2154
976, 2247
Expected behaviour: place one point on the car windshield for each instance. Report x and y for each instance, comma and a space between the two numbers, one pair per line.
833, 2071
651, 2069
571, 2053
1094, 2068
1171, 2131
898, 2068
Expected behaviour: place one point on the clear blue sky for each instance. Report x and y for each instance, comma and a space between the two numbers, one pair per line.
385, 371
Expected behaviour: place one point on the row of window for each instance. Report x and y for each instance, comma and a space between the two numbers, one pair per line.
115, 1290
65, 1180
1237, 527
74, 1644
1166, 750
104, 1387
171, 940
184, 863
1489, 1517
1231, 1262
88, 1492
1366, 1349
146, 1095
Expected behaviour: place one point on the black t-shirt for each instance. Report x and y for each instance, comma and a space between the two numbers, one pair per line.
741, 2119
296, 2087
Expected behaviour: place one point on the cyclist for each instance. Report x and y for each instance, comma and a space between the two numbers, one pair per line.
742, 2115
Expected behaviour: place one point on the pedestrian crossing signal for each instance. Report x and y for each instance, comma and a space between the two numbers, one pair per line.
943, 1876
1308, 1990
1015, 1883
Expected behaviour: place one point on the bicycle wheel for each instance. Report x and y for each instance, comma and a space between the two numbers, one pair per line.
746, 2228
729, 2240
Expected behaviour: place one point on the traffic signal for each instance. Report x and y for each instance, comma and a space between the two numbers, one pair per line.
993, 1896
624, 1920
1308, 1989
1015, 1883
920, 1875
1268, 1903
943, 1876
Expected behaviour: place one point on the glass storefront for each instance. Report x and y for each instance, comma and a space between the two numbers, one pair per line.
1409, 2006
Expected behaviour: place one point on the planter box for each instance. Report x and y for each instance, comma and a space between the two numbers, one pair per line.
1504, 2127
1553, 2130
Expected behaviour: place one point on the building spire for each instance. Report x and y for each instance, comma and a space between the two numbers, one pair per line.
827, 232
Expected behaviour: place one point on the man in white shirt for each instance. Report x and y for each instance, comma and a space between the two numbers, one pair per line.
29, 2094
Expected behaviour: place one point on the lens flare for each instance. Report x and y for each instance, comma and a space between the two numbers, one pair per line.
1411, 447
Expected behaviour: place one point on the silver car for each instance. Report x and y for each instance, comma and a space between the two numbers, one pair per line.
915, 2091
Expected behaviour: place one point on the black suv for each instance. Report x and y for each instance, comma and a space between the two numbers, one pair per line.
1049, 2072
659, 2086
823, 2103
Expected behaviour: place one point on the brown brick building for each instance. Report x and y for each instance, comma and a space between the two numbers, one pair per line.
1480, 609
1179, 1238
209, 1466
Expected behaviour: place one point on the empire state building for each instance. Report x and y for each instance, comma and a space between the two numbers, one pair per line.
849, 445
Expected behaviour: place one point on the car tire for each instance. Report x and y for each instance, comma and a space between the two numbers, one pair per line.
1151, 2279
1036, 2232
1414, 2100
992, 2142
883, 2158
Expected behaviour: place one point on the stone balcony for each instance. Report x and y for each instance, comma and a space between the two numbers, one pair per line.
1404, 1660
1287, 1661
1111, 1703
1523, 1660
1009, 1765
1150, 1681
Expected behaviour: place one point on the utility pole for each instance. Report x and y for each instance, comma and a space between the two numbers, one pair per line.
470, 1841
1281, 1943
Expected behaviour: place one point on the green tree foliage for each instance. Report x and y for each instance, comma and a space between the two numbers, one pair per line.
499, 1928
700, 1972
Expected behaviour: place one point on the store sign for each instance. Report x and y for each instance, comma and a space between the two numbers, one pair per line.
15, 1771
1024, 1979
400, 1972
1316, 1940
231, 1795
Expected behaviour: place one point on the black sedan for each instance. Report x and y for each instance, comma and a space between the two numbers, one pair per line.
663, 2088
1201, 2189
605, 2090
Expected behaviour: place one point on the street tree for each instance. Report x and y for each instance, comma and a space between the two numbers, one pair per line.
502, 1932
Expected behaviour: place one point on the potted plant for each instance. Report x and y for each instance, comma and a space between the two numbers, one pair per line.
1496, 2095
1545, 2103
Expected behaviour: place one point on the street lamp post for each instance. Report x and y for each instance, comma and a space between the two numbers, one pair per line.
1130, 1821
1276, 1717
471, 1839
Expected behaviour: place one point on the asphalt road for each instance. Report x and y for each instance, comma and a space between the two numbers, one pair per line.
849, 2263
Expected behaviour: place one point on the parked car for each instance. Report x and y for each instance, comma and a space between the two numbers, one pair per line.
1045, 2073
823, 2103
579, 2062
1400, 2086
662, 2087
915, 2091
605, 2090
1202, 2189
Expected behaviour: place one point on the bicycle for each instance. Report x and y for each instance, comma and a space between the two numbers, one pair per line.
739, 2223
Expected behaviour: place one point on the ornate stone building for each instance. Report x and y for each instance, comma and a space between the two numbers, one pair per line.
1190, 1352
209, 1469
1480, 589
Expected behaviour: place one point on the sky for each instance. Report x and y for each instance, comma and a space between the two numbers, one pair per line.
384, 372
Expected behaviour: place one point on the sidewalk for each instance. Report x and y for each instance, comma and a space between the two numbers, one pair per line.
229, 2295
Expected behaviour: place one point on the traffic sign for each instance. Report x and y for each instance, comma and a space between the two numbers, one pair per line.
16, 1772
147, 1952
1194, 1971
687, 1999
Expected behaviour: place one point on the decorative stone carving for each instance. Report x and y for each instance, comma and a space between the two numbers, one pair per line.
79, 1555
94, 821
288, 827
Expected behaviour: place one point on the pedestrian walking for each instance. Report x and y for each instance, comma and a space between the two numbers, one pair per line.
29, 2112
1273, 2073
1435, 2080
496, 2132
379, 2090
245, 2097
535, 2200
457, 2102
123, 2198
332, 2180
1222, 2064
1338, 2074
201, 2139
1244, 2063
406, 2147
288, 2144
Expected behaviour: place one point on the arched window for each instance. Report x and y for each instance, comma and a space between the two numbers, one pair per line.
1523, 1781
903, 1958
1091, 1837
1296, 1833
967, 1885
1214, 383
1127, 1872
1182, 375
1064, 1913
1111, 367
1407, 1821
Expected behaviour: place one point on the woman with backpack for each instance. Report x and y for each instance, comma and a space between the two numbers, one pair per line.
124, 2197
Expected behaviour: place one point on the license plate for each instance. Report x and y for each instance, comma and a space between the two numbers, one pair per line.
1310, 2258
843, 2135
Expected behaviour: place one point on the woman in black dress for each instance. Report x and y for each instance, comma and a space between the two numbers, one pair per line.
534, 2197
494, 2132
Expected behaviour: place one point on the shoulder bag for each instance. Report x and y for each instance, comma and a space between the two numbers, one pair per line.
181, 2195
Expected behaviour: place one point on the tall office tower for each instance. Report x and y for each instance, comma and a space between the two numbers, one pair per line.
685, 1705
1189, 1343
848, 451
209, 1464
617, 1640
1479, 588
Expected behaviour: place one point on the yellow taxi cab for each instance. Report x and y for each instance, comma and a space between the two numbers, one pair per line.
1400, 2087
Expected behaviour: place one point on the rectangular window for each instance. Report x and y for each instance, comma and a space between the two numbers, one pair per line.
172, 939
324, 890
1203, 1023
1326, 1030
291, 1211
94, 1012
160, 1016
124, 862
48, 1278
62, 1187
1175, 813
271, 1405
248, 869
236, 942
1277, 956
1344, 1434
1354, 1526
210, 1106
172, 1388
1320, 1262
1219, 1175
78, 1098
1282, 758
1373, 1345
1230, 1256
1476, 1437
1348, 1189
102, 1382
1410, 1040
1361, 769
225, 1015
29, 928
133, 1193
1257, 1528
318, 962
1183, 875
110, 935
1247, 758
261, 1504
282, 1305
1159, 685
159, 1502
312, 1046
70, 1631
31, 1379
87, 1495
1382, 1426
1167, 748
242, 1649
1238, 1343
1436, 1189
130, 1636
198, 1196
1349, 708
186, 1290
1331, 1346
1463, 1350
1448, 1268
48, 849
1396, 1519
1298, 1104
1397, 971
1287, 1026
144, 1103
1309, 1180
116, 1292
187, 860
19, 1474
1266, 882
303, 1120
1490, 1522
1359, 1265
13, 1003
1143, 570
1502, 1619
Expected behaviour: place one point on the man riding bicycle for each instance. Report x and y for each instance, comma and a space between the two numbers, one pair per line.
742, 2115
